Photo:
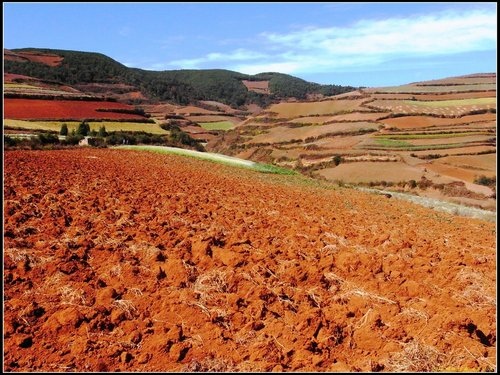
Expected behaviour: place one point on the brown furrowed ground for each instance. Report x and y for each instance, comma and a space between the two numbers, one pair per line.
132, 261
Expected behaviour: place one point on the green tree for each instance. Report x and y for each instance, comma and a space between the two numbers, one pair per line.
83, 128
102, 132
64, 129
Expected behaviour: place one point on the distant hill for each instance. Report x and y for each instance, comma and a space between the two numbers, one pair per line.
89, 71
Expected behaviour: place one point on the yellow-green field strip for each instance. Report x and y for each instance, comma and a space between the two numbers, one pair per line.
219, 125
111, 126
430, 136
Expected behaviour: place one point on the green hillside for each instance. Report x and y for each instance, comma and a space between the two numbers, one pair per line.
179, 86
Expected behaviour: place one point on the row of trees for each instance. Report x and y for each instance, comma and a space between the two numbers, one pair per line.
84, 130
176, 137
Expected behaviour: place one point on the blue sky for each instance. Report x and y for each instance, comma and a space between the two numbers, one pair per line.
358, 44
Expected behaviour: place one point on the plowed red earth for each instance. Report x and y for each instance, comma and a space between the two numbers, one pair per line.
64, 109
128, 261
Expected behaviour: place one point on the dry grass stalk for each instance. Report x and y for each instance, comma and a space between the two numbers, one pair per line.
70, 296
126, 306
416, 357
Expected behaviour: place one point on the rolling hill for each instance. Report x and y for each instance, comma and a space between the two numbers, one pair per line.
90, 71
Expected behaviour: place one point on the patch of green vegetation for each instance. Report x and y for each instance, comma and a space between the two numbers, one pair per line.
269, 168
403, 146
430, 136
220, 125
388, 142
486, 181
284, 85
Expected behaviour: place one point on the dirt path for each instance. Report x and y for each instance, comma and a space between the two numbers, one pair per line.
132, 261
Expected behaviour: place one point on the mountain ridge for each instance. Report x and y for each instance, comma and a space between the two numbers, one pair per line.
182, 86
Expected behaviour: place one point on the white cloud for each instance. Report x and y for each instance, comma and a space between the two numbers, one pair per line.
367, 43
236, 55
438, 34
282, 67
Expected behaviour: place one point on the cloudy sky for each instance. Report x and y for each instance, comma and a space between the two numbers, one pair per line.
358, 44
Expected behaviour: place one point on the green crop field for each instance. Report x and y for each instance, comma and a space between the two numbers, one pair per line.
388, 142
219, 125
429, 136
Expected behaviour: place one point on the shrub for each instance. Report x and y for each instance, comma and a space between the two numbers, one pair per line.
10, 141
97, 142
83, 128
72, 139
412, 184
46, 138
424, 183
486, 181
178, 136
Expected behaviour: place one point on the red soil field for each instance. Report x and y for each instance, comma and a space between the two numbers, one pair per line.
127, 261
414, 122
35, 109
10, 77
257, 86
44, 58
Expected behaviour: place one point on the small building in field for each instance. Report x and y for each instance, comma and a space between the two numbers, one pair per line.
84, 142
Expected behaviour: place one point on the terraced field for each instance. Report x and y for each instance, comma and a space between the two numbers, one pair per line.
326, 107
34, 91
412, 123
449, 108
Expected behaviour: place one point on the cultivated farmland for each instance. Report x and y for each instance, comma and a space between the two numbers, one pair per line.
341, 138
111, 126
35, 109
327, 107
119, 260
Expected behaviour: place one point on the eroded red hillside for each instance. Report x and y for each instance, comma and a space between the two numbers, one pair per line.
39, 57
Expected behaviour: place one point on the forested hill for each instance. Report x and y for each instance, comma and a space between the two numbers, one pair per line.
179, 86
